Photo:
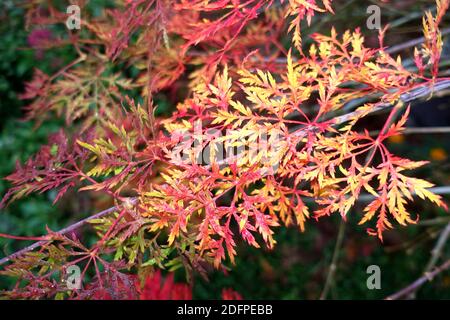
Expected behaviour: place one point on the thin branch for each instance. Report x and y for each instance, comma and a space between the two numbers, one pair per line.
419, 130
412, 43
333, 265
72, 227
435, 254
434, 221
417, 93
427, 277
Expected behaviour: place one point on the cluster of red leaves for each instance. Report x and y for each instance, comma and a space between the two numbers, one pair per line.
155, 288
189, 204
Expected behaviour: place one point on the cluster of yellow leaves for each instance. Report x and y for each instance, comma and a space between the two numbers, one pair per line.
432, 47
394, 191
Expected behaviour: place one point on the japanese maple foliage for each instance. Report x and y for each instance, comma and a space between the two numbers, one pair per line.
179, 202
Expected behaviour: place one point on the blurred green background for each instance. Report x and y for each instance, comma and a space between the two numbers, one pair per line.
297, 267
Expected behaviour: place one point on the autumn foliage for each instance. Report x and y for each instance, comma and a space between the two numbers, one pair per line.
188, 186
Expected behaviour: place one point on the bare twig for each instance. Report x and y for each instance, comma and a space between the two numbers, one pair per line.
333, 265
435, 254
419, 130
412, 43
429, 276
437, 250
434, 221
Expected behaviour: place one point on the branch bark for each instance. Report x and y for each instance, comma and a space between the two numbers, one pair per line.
437, 250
